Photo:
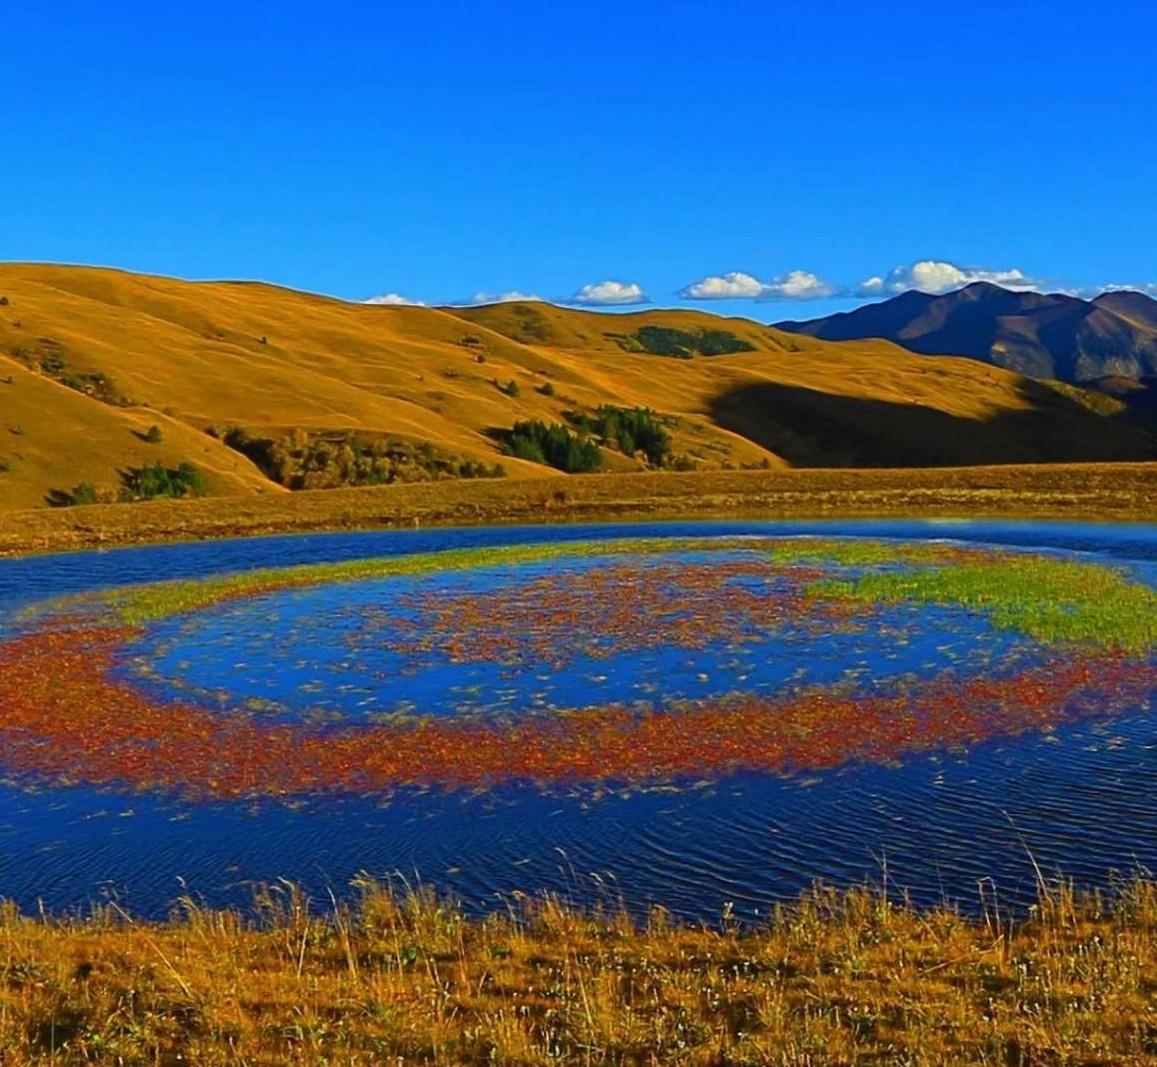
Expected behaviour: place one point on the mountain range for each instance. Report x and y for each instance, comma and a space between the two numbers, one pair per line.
111, 381
1057, 336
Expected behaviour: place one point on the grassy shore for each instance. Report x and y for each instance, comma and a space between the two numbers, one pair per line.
1109, 492
851, 978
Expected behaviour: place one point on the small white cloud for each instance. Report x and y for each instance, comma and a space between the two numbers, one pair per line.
735, 285
395, 299
798, 285
609, 293
514, 296
1149, 289
938, 276
738, 285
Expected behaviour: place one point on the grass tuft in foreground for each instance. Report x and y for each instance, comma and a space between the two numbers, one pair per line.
847, 978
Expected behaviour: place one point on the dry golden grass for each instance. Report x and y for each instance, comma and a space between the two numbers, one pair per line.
187, 356
1106, 492
849, 978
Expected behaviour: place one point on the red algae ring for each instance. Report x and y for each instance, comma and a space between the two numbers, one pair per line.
71, 714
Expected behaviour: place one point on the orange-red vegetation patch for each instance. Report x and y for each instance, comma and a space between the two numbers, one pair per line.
64, 717
604, 610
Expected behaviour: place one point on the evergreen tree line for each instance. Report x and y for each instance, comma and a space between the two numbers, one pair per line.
576, 451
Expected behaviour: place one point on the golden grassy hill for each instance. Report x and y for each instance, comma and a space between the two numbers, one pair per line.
187, 356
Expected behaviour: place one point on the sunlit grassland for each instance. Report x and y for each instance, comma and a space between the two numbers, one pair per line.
187, 357
847, 978
1104, 492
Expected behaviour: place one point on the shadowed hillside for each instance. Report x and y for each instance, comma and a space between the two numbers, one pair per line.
111, 381
1042, 335
809, 428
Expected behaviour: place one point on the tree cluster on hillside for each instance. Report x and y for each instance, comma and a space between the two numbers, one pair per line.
681, 344
631, 430
137, 483
575, 448
301, 460
50, 358
553, 445
155, 479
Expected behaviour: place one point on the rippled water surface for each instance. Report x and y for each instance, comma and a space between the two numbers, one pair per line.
1081, 798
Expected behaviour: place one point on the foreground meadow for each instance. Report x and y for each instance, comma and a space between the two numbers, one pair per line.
401, 978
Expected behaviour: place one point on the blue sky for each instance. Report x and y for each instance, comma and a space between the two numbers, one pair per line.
444, 149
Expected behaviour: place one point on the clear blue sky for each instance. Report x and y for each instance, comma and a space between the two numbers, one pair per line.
442, 149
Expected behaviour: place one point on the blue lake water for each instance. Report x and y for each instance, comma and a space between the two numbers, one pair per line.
309, 651
1083, 799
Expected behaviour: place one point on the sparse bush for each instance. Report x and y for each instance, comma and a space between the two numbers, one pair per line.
328, 461
680, 344
547, 389
4, 301
153, 435
52, 362
96, 384
531, 328
83, 493
511, 388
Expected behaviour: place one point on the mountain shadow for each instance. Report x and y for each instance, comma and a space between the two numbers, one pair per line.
809, 428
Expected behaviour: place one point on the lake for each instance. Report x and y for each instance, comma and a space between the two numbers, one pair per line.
706, 716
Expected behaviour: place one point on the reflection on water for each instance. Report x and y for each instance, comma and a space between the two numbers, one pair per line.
1083, 799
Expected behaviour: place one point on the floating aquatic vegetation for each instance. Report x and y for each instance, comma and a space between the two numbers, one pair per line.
80, 705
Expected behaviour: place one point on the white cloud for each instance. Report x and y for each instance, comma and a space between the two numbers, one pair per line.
938, 276
738, 285
735, 285
511, 297
394, 299
608, 293
798, 285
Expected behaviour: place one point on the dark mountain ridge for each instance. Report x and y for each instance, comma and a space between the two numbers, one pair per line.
1042, 335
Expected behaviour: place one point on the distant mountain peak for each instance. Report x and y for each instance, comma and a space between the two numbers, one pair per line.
1043, 335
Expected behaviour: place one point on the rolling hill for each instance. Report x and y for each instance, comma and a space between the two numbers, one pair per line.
1040, 335
91, 360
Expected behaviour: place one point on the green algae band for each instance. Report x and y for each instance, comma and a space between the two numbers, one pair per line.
1054, 601
898, 648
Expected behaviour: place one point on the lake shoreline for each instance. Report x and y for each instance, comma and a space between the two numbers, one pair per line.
1090, 492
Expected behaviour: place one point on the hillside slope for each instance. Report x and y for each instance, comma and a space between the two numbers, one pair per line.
91, 359
1043, 335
